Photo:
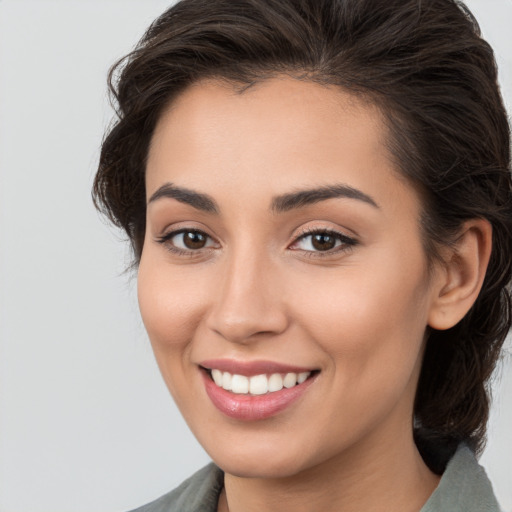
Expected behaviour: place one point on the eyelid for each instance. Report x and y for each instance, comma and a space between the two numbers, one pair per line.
347, 242
174, 232
166, 238
168, 230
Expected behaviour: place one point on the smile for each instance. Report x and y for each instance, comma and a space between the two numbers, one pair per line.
251, 391
257, 384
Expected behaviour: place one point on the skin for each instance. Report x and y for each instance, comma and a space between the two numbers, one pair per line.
257, 291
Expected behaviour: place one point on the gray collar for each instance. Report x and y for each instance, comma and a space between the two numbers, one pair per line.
464, 487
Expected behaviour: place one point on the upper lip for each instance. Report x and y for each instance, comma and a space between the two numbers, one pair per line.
250, 368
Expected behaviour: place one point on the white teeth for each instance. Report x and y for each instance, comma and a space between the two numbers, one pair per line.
240, 384
275, 383
302, 377
257, 384
217, 377
290, 379
226, 381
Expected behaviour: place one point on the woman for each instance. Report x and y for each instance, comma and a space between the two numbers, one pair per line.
319, 199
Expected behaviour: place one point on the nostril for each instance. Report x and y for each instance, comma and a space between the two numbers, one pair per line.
246, 304
247, 325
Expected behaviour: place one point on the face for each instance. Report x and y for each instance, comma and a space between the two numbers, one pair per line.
282, 261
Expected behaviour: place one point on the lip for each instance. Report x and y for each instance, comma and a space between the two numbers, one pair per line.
251, 368
253, 407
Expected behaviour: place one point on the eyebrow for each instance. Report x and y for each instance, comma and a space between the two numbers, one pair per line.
199, 201
301, 198
280, 204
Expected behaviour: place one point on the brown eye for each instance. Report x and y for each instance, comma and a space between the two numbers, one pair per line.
194, 240
186, 240
323, 242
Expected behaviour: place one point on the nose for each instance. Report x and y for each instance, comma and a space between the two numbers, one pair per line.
248, 304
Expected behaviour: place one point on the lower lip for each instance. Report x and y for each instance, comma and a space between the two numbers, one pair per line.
253, 407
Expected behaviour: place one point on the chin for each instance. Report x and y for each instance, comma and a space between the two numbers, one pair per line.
256, 468
260, 459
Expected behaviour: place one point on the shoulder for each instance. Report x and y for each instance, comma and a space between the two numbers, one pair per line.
464, 486
200, 492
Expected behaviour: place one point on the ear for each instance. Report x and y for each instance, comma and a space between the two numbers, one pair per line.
459, 279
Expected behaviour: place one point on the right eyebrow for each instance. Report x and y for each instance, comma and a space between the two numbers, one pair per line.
200, 201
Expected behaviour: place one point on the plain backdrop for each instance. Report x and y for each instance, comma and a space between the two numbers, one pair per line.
86, 424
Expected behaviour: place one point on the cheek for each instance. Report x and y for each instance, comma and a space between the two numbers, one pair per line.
371, 326
171, 309
170, 305
368, 320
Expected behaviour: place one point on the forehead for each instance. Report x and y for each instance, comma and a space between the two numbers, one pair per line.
278, 134
304, 108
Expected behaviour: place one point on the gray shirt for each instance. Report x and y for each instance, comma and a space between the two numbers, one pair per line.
464, 487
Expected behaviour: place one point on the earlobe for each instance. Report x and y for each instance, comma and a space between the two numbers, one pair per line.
460, 280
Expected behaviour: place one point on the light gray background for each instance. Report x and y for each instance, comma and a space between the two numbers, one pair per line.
85, 422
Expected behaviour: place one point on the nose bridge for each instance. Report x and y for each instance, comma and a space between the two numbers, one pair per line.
248, 301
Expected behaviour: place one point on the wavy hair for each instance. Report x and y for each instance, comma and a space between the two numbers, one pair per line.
426, 66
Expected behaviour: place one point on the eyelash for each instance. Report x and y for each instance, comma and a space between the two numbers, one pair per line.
347, 243
165, 239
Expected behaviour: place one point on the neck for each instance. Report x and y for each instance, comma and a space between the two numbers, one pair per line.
374, 476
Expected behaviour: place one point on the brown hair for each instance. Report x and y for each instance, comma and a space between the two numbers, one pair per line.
434, 78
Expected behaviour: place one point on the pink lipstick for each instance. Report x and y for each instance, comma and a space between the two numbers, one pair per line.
254, 390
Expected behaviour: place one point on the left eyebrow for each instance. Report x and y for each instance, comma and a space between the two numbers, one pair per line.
302, 198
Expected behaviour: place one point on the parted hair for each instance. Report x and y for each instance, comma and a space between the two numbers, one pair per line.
434, 78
